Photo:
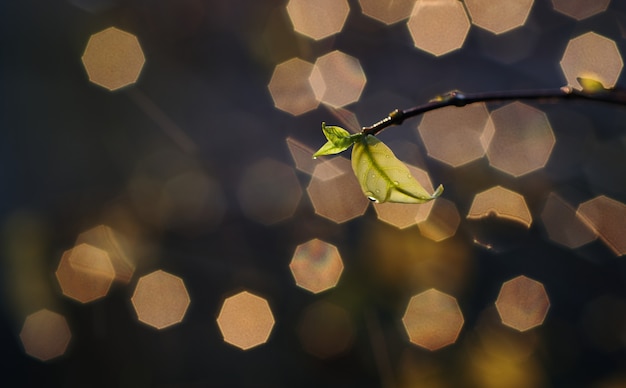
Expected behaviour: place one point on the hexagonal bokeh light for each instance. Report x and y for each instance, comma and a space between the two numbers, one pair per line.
245, 320
318, 19
338, 198
331, 168
499, 16
522, 303
302, 156
402, 215
337, 79
113, 58
387, 11
503, 203
105, 238
45, 335
347, 118
160, 299
564, 225
269, 191
592, 56
453, 135
580, 9
316, 266
442, 222
607, 217
290, 87
325, 330
522, 139
85, 273
438, 27
171, 192
433, 319
190, 199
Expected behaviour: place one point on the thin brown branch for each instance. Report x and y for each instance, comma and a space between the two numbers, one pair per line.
459, 99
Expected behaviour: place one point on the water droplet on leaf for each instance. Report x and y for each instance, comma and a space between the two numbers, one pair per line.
371, 196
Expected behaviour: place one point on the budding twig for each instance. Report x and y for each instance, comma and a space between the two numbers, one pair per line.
592, 90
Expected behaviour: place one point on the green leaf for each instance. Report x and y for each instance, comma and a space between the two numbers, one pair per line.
329, 149
590, 85
339, 140
334, 134
383, 177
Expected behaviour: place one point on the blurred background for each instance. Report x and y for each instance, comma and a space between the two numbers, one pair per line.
163, 223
